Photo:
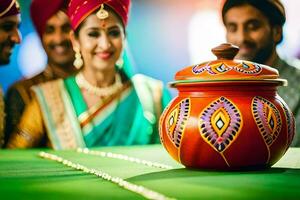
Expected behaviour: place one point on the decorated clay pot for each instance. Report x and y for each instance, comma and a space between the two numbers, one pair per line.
227, 115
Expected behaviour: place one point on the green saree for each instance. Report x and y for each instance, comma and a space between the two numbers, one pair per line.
130, 117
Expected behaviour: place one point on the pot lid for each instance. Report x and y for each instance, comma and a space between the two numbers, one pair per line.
225, 68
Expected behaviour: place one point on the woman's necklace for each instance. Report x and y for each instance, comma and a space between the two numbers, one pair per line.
124, 157
99, 91
143, 191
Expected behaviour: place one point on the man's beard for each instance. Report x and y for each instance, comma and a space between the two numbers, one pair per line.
4, 59
53, 59
265, 52
261, 54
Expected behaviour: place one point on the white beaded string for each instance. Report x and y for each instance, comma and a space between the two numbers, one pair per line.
123, 157
143, 191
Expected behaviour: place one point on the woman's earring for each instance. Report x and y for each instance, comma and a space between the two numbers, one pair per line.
120, 62
78, 62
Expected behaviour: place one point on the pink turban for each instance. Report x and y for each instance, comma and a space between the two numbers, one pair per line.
78, 10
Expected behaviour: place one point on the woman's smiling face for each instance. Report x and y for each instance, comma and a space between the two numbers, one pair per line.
100, 41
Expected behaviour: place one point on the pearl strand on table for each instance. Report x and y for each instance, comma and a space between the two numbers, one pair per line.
143, 191
123, 157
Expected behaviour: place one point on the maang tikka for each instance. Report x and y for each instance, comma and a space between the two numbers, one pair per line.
102, 13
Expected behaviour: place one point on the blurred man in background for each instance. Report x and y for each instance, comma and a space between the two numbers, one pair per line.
255, 26
9, 36
53, 27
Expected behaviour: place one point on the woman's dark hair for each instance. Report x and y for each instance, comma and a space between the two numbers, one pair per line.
107, 8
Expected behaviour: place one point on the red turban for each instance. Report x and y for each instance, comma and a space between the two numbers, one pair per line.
78, 10
8, 8
42, 10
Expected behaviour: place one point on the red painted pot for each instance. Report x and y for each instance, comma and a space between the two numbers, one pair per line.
227, 115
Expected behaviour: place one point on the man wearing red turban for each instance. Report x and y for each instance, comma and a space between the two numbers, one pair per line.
9, 36
53, 27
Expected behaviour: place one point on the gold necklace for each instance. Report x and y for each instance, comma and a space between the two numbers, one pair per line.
99, 91
143, 191
123, 157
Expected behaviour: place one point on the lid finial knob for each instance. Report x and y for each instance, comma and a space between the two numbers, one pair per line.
225, 51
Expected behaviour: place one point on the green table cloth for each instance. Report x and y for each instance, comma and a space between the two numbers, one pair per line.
24, 175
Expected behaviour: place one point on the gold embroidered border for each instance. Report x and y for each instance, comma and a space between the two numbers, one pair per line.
55, 103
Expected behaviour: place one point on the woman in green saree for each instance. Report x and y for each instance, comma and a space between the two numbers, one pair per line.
101, 105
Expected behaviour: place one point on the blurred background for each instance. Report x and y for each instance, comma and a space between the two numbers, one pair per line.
163, 37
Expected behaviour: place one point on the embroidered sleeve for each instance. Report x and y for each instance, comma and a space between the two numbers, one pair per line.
30, 130
14, 107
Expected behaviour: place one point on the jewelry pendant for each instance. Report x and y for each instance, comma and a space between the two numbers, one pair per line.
102, 14
78, 62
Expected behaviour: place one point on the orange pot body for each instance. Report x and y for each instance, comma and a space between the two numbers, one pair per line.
227, 125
